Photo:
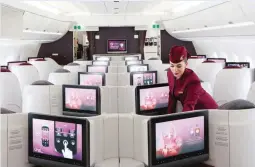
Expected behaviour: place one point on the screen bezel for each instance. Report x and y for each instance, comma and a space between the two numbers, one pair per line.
129, 66
92, 73
108, 62
172, 117
82, 112
212, 59
125, 51
85, 139
31, 58
158, 111
137, 57
109, 58
142, 72
228, 64
98, 66
126, 62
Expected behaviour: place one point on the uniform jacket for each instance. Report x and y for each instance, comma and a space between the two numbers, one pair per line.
189, 92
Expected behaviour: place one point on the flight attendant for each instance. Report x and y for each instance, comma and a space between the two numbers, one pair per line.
184, 84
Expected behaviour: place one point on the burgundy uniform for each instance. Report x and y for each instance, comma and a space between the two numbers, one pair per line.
189, 92
187, 89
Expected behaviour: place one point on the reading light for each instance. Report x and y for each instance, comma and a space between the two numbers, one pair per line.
42, 32
217, 27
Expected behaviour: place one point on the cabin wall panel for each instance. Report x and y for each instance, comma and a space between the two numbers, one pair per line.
168, 41
63, 47
127, 33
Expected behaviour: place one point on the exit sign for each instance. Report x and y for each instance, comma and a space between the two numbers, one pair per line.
77, 27
155, 26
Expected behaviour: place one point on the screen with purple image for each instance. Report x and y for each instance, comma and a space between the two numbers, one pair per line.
154, 98
59, 139
80, 99
91, 79
144, 79
178, 137
117, 46
97, 68
134, 68
99, 62
131, 58
130, 62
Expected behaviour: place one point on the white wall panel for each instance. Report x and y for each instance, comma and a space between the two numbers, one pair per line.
9, 18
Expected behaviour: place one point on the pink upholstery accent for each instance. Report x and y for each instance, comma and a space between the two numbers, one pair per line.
40, 60
209, 61
232, 67
4, 70
25, 64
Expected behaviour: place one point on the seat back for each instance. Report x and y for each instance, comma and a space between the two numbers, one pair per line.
10, 93
194, 62
63, 78
26, 74
77, 68
44, 99
231, 84
123, 79
153, 64
251, 94
111, 79
207, 71
44, 68
126, 99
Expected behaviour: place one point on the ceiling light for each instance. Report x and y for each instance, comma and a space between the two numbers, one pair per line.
41, 6
243, 24
42, 32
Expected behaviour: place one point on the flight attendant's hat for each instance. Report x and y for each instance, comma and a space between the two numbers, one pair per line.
178, 54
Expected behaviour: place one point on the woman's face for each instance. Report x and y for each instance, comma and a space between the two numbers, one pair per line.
178, 68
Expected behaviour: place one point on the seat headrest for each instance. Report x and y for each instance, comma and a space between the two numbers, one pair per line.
154, 58
4, 70
42, 82
6, 111
61, 70
40, 60
208, 61
232, 67
238, 104
25, 64
73, 64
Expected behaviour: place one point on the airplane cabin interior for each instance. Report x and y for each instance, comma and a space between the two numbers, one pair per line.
86, 83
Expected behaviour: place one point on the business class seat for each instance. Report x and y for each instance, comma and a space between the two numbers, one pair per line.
63, 76
207, 71
231, 84
75, 67
26, 74
42, 97
52, 63
83, 63
44, 68
153, 64
194, 62
10, 93
14, 140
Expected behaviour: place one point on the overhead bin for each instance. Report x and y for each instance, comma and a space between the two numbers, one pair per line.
227, 13
22, 25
